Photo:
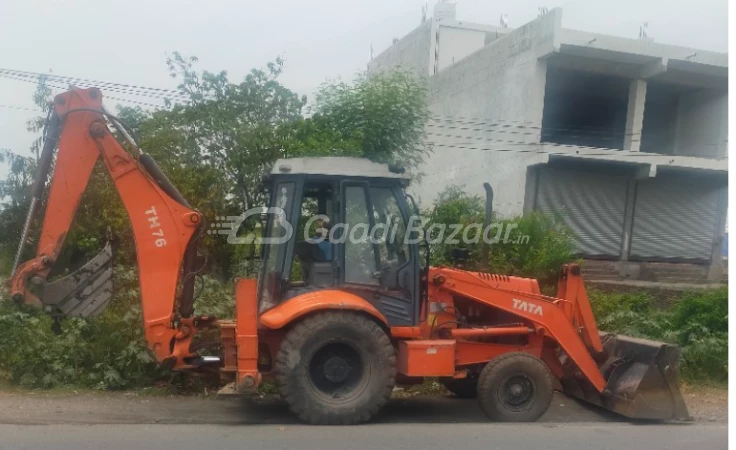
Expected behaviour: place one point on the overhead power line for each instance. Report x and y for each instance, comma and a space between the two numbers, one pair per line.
76, 81
558, 132
62, 88
448, 122
489, 125
499, 120
483, 134
470, 124
22, 108
108, 88
611, 152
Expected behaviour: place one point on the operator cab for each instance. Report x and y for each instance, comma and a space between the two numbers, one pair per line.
343, 224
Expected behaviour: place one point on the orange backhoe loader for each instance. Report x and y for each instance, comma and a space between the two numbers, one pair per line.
337, 319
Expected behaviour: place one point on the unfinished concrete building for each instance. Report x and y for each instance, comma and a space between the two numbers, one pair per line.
626, 139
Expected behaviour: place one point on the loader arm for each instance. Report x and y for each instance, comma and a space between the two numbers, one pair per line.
163, 227
568, 321
633, 377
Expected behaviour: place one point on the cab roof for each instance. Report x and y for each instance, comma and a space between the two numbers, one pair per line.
337, 166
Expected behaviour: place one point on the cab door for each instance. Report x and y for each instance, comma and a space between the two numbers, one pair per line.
278, 242
378, 258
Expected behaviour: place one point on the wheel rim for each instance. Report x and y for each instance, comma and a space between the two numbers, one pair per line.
336, 371
516, 392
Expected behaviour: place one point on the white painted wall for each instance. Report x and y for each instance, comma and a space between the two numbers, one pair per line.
456, 43
702, 124
491, 100
412, 52
506, 172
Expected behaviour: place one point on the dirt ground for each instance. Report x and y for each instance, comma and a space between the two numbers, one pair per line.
35, 407
707, 403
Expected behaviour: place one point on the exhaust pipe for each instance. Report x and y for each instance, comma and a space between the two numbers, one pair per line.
485, 259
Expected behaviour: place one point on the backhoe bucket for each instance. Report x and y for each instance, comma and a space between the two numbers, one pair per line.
83, 293
642, 378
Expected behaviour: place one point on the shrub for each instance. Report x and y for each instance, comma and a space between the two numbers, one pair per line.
537, 248
103, 354
453, 206
537, 245
107, 352
607, 303
5, 265
705, 357
708, 308
215, 298
698, 323
652, 325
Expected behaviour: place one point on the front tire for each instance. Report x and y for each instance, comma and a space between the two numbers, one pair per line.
336, 368
515, 387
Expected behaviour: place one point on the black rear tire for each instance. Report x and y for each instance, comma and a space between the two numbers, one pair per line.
462, 388
515, 387
336, 368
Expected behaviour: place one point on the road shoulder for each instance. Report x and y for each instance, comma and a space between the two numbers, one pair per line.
34, 407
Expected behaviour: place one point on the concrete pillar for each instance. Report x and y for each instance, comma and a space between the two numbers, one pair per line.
530, 189
628, 219
715, 270
635, 115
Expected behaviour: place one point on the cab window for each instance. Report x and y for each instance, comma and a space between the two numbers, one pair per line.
390, 228
360, 257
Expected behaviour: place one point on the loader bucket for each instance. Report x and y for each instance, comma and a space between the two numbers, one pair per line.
83, 293
642, 378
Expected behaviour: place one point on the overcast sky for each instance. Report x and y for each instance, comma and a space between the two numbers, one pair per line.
127, 41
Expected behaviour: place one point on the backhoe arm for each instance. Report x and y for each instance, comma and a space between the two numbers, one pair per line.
163, 225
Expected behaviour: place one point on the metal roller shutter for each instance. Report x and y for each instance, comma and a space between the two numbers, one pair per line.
675, 218
591, 203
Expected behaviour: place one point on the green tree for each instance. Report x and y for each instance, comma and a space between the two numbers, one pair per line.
238, 129
380, 117
216, 146
14, 201
42, 99
216, 138
15, 189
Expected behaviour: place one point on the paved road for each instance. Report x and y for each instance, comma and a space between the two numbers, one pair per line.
485, 436
120, 421
103, 409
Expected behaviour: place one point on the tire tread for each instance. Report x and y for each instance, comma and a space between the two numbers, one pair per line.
487, 385
312, 412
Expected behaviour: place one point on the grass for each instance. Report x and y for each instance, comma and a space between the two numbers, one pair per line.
697, 322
